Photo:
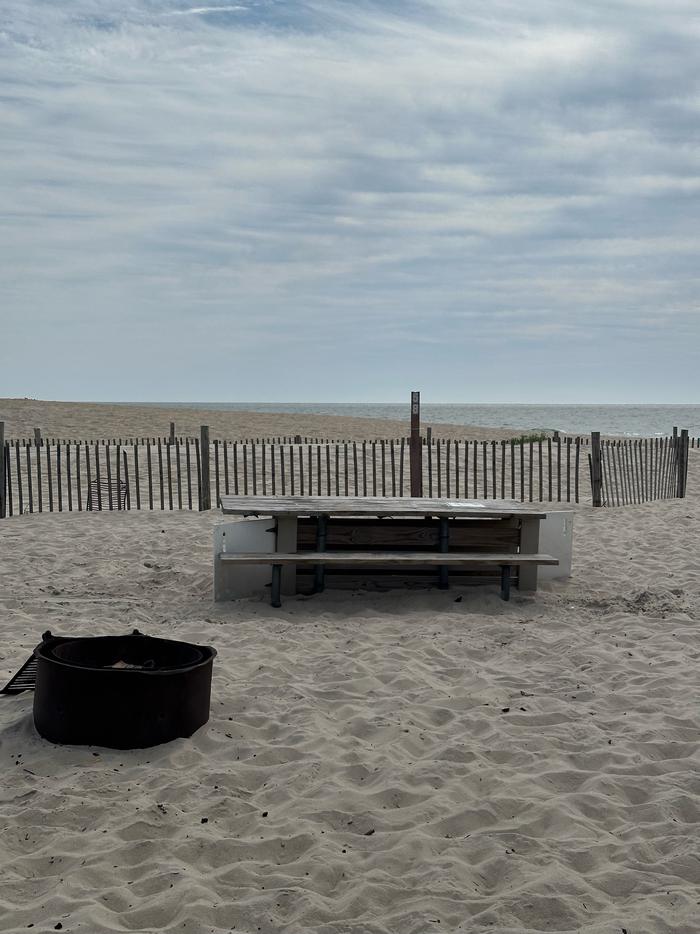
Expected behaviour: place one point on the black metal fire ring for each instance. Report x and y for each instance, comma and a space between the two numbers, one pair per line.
124, 692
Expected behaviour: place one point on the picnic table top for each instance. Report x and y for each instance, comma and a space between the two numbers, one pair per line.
373, 506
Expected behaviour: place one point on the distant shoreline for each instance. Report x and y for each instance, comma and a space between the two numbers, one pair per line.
354, 421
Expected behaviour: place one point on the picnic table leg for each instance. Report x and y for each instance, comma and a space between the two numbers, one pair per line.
286, 540
505, 582
276, 581
529, 544
321, 536
444, 541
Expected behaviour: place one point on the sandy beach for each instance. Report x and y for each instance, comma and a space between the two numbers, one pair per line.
93, 420
374, 763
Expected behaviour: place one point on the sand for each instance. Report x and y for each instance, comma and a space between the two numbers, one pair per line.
93, 420
398, 763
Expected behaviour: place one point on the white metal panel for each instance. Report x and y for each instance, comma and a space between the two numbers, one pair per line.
557, 539
231, 581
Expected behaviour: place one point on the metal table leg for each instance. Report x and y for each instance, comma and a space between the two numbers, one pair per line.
444, 541
321, 537
276, 581
505, 581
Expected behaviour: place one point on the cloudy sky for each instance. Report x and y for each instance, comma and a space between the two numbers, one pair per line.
488, 200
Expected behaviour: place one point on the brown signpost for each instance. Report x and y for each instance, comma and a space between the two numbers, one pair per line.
415, 447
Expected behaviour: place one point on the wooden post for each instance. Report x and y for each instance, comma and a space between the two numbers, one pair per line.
415, 448
3, 497
172, 432
37, 437
596, 470
205, 501
682, 463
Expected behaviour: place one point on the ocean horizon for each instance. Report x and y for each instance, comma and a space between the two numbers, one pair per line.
634, 420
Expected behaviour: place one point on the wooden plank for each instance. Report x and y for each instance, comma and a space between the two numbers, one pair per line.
98, 479
29, 478
149, 466
383, 450
169, 467
539, 470
291, 469
226, 476
364, 468
683, 466
108, 464
39, 478
69, 478
438, 466
137, 479
119, 476
429, 445
345, 468
328, 469
371, 506
3, 474
466, 469
337, 470
389, 558
578, 464
356, 470
494, 484
160, 475
637, 475
282, 470
412, 534
198, 468
6, 454
202, 450
521, 446
87, 474
254, 466
596, 471
188, 467
263, 470
178, 472
401, 467
217, 478
127, 503
20, 491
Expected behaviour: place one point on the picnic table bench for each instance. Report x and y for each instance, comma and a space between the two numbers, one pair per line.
398, 541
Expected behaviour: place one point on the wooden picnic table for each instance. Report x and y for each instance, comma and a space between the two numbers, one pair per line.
449, 534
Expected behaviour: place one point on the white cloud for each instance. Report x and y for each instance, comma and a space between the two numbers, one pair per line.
292, 169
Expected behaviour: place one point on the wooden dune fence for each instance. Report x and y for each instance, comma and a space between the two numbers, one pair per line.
42, 475
639, 470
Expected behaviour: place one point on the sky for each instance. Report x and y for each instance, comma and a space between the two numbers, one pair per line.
488, 201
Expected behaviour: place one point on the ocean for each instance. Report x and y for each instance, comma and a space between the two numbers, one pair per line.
632, 420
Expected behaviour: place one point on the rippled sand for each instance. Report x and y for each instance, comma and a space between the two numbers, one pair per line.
398, 763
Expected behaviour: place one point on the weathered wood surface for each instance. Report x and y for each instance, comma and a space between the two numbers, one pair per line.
422, 534
386, 558
370, 506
